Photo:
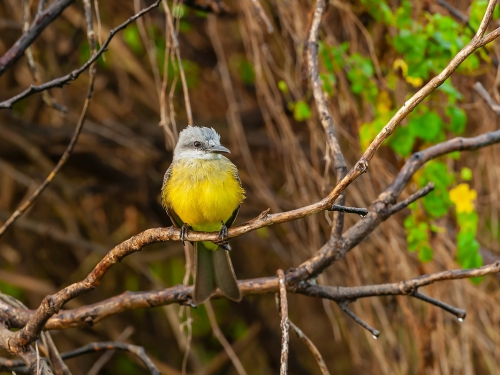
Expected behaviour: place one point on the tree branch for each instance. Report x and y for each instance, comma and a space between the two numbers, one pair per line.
324, 113
61, 81
87, 316
282, 304
41, 21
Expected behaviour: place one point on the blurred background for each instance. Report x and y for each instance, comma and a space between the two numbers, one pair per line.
252, 87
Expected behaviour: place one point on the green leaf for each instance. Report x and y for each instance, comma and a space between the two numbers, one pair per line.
437, 203
178, 11
133, 39
402, 141
247, 73
458, 119
466, 174
282, 86
467, 247
425, 254
428, 127
301, 111
468, 221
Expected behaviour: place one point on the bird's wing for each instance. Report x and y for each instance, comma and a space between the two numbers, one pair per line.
176, 220
231, 220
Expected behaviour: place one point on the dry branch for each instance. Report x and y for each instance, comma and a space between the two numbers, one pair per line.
41, 21
282, 303
64, 80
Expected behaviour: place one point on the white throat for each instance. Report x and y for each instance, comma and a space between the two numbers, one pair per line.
198, 154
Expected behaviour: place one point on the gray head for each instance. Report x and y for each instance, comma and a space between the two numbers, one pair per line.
199, 143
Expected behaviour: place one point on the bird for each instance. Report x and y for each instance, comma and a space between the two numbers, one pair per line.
202, 191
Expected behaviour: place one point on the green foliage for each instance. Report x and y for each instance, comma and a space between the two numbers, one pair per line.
458, 120
301, 111
244, 69
418, 238
468, 255
11, 290
437, 203
466, 174
132, 37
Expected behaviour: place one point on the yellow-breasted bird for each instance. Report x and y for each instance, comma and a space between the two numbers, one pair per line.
202, 190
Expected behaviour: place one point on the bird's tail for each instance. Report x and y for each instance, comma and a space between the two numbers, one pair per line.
213, 269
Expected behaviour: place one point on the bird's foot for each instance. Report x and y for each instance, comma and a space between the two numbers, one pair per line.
184, 230
223, 233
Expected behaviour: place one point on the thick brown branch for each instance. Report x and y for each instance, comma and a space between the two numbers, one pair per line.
92, 314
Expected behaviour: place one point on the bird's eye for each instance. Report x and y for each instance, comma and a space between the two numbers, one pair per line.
197, 144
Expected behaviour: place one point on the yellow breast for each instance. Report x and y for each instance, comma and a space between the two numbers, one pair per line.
203, 193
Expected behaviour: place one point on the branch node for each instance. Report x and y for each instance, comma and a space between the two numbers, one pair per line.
362, 165
89, 321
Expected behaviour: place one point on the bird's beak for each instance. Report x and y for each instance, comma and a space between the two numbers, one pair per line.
218, 149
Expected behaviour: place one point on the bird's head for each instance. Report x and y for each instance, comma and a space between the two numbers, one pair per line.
199, 143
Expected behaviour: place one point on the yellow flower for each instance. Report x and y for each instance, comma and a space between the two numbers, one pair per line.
401, 64
462, 196
415, 81
384, 103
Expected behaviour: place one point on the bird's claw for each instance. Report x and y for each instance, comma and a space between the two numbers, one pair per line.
223, 233
184, 230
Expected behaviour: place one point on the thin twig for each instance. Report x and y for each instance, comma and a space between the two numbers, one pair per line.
64, 80
285, 323
479, 88
325, 115
56, 360
47, 98
262, 15
41, 21
412, 198
375, 333
223, 341
459, 313
312, 348
99, 364
65, 156
173, 34
96, 347
350, 210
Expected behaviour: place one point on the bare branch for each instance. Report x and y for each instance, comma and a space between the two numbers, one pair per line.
479, 88
41, 21
282, 303
137, 351
412, 198
375, 333
222, 339
351, 210
87, 316
312, 348
65, 156
64, 80
262, 15
324, 113
459, 313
